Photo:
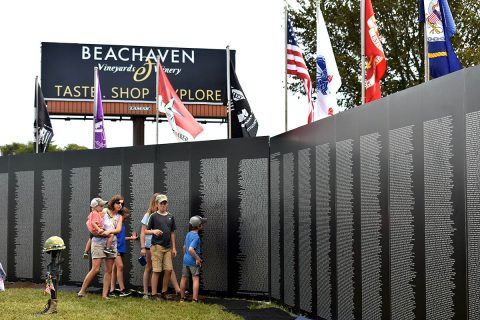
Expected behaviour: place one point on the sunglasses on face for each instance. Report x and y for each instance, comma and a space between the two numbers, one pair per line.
119, 202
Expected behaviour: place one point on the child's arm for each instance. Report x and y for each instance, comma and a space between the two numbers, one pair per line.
95, 225
132, 237
184, 249
143, 251
198, 261
149, 229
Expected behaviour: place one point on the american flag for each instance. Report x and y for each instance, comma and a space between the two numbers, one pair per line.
433, 18
296, 66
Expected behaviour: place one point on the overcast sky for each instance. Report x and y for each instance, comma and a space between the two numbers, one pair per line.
253, 28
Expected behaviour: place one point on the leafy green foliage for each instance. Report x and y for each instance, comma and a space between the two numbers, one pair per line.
19, 148
402, 39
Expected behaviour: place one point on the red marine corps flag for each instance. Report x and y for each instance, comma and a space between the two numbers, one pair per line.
376, 63
183, 124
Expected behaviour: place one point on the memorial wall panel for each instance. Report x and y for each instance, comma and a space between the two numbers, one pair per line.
78, 202
444, 199
276, 252
51, 203
252, 222
347, 212
4, 225
23, 214
304, 174
221, 191
138, 167
406, 203
472, 159
177, 185
289, 228
324, 198
374, 218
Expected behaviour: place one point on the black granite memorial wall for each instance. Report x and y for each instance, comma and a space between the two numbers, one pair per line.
225, 181
370, 214
392, 189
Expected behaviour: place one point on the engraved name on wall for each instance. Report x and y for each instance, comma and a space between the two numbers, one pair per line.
177, 188
50, 218
371, 223
213, 205
288, 229
253, 229
439, 225
344, 196
401, 200
141, 189
275, 226
4, 220
23, 217
323, 218
78, 210
473, 211
305, 229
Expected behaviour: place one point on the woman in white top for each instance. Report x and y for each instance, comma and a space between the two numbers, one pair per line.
112, 223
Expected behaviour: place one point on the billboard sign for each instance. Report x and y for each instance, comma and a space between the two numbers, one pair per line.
128, 73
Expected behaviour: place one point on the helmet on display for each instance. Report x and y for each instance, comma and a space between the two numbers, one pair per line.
53, 243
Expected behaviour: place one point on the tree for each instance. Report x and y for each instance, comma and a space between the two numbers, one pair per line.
402, 39
19, 148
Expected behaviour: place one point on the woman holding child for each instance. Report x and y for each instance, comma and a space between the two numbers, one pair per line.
112, 224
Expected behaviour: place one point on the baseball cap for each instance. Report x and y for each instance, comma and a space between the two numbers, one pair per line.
196, 221
160, 198
97, 202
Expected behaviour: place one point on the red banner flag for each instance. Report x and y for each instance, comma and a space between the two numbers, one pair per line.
184, 125
376, 63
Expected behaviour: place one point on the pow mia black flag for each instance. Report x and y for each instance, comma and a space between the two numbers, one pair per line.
244, 123
44, 127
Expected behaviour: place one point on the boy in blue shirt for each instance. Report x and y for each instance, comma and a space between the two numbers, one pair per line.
192, 261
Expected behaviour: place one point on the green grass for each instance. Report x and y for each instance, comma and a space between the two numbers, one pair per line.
267, 305
24, 303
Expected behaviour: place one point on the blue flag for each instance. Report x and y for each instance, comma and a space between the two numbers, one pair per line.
438, 18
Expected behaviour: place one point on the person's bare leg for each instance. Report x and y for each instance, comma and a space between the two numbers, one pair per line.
155, 276
166, 279
147, 272
119, 267
96, 263
183, 286
88, 245
107, 277
196, 287
174, 281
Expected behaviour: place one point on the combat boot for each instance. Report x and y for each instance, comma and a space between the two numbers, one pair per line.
50, 308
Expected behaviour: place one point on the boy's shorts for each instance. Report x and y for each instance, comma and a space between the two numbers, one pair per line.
97, 252
188, 271
161, 258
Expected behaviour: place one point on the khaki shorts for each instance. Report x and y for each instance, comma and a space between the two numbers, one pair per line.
161, 258
97, 252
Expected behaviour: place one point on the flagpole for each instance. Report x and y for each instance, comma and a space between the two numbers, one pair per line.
156, 98
229, 95
286, 71
425, 50
36, 114
362, 47
95, 93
